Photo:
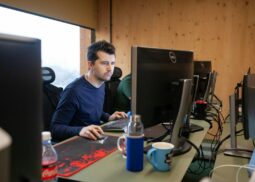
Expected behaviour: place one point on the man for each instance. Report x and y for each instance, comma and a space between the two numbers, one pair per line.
80, 108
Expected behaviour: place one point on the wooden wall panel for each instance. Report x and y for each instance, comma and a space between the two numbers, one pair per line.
85, 41
103, 28
222, 31
78, 12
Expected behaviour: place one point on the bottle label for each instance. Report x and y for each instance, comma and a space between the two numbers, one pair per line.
49, 171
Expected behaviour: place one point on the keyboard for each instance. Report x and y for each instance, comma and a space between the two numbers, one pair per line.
117, 125
154, 131
120, 125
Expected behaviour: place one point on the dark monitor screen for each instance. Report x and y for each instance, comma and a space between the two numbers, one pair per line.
248, 106
156, 90
21, 106
203, 70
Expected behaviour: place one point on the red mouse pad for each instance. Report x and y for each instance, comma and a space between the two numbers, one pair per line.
78, 153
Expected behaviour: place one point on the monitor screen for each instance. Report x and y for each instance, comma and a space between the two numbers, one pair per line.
209, 92
156, 87
248, 105
21, 106
203, 70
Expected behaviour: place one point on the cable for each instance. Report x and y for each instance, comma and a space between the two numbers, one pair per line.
218, 111
241, 167
196, 172
201, 162
224, 139
252, 167
221, 166
217, 117
227, 117
209, 122
217, 98
167, 126
157, 139
160, 138
193, 145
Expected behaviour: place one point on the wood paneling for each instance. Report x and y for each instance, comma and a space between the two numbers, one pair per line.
222, 31
78, 12
85, 41
103, 29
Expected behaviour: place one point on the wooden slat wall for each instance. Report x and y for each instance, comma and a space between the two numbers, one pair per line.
85, 41
222, 31
78, 12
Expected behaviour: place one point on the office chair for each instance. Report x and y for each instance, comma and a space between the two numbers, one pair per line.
51, 96
111, 90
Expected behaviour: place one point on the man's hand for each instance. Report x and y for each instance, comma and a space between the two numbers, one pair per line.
117, 115
92, 132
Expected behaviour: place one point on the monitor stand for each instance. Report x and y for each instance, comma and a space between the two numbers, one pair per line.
194, 128
234, 149
238, 152
180, 144
183, 147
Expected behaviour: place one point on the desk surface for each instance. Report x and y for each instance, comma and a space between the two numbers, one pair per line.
112, 167
228, 174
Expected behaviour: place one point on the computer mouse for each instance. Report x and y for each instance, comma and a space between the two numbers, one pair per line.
101, 137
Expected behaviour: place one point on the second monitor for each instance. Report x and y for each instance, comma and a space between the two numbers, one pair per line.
162, 89
156, 88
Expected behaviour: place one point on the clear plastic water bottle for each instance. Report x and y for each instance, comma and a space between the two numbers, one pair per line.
134, 145
135, 126
49, 159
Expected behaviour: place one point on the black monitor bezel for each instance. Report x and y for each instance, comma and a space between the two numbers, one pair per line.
21, 104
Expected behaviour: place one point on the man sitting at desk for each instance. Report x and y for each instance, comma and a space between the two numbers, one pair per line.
80, 108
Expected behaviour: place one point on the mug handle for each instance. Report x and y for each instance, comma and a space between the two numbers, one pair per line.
119, 141
149, 157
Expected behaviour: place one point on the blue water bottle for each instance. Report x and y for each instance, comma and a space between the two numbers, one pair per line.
134, 144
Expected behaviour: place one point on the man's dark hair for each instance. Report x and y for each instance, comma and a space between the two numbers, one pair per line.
99, 46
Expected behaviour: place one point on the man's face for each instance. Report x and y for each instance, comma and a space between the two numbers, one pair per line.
102, 68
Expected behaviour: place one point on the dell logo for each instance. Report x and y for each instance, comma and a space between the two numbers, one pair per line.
172, 57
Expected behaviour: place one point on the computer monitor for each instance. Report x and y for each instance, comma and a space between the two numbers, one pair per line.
248, 105
247, 117
157, 84
203, 70
235, 149
5, 145
209, 92
21, 104
156, 88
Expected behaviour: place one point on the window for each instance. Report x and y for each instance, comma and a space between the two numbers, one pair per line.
60, 41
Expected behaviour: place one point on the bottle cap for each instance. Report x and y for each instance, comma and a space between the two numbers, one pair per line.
46, 135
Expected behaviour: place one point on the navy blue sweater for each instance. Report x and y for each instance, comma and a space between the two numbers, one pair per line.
81, 104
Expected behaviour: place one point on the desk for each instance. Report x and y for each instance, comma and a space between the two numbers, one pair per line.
112, 168
228, 174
